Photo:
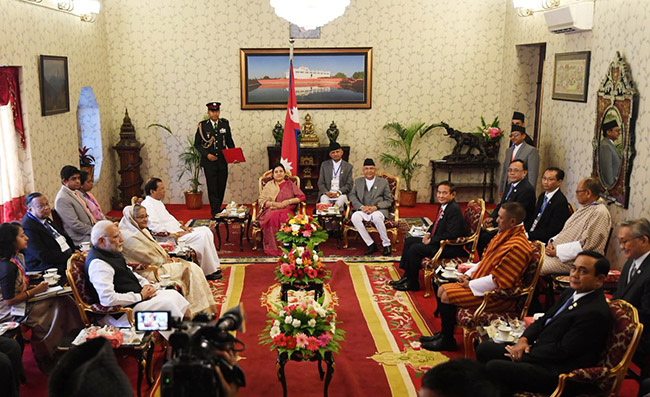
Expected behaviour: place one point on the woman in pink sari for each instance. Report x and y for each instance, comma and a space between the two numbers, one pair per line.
279, 197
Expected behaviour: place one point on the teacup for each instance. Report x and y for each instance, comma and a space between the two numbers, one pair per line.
165, 279
52, 271
332, 210
52, 279
504, 332
85, 246
449, 271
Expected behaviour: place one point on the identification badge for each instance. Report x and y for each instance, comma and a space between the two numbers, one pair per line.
222, 131
62, 243
335, 185
19, 309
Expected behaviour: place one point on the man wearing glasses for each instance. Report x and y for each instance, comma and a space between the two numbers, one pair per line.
586, 230
552, 208
520, 150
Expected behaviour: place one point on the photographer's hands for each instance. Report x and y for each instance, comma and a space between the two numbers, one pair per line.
229, 389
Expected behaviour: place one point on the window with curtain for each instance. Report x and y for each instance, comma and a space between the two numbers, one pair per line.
12, 140
90, 128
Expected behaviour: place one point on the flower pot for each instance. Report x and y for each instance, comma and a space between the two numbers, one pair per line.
193, 201
89, 168
408, 198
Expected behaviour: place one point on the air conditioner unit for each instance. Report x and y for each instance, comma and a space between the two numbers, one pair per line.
575, 18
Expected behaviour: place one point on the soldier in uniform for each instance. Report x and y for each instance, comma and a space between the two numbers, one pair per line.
212, 136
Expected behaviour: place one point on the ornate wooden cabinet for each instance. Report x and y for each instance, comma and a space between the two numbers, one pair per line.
308, 167
128, 149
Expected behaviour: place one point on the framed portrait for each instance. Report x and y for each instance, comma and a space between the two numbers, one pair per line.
55, 94
571, 76
325, 78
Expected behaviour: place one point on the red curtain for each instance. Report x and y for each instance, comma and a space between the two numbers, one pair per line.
10, 93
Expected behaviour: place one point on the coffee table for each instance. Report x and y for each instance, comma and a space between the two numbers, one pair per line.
324, 216
227, 219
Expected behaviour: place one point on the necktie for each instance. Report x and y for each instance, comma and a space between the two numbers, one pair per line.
541, 210
632, 272
512, 187
435, 225
51, 229
561, 309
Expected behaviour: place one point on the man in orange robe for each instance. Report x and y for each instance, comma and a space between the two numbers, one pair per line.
502, 266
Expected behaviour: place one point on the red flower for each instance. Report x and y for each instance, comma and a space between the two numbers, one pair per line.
291, 342
280, 340
306, 233
311, 272
312, 344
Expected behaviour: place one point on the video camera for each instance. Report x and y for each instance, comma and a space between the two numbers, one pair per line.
197, 347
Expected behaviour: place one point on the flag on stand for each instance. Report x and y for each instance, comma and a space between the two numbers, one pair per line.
289, 156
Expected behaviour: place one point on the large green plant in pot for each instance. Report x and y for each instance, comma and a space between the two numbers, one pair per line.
190, 164
405, 139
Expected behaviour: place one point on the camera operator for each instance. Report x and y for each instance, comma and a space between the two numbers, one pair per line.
229, 389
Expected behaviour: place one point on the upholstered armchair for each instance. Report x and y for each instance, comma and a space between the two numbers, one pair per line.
255, 210
473, 217
391, 223
82, 290
621, 345
469, 319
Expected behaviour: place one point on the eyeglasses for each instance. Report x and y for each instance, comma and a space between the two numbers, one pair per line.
625, 241
514, 135
142, 217
514, 170
549, 179
580, 191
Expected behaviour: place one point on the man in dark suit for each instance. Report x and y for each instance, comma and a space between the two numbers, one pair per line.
634, 282
572, 334
49, 246
520, 150
448, 224
335, 178
212, 136
372, 199
520, 191
552, 208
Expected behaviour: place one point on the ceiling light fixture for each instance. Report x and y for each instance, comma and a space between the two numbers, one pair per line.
309, 14
86, 10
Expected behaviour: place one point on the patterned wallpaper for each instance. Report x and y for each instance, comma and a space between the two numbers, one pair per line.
568, 127
432, 61
54, 139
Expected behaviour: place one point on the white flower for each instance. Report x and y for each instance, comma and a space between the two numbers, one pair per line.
276, 323
315, 258
295, 228
296, 323
332, 326
320, 311
311, 323
288, 320
298, 261
274, 332
300, 250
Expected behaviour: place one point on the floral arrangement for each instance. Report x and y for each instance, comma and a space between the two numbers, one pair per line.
306, 327
301, 265
301, 230
489, 131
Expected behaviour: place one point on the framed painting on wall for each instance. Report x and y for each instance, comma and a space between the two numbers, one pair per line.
571, 76
325, 78
55, 94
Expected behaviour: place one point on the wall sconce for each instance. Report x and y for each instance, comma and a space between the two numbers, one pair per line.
86, 10
527, 8
309, 14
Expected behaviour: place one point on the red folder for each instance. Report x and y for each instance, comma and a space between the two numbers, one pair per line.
234, 155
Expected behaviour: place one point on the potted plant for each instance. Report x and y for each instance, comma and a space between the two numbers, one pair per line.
86, 160
406, 161
190, 163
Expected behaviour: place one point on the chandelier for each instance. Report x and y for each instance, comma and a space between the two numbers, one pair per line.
309, 14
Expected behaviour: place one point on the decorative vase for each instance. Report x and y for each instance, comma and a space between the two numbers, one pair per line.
193, 201
89, 168
408, 198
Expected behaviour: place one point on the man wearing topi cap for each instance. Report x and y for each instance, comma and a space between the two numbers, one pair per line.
335, 178
371, 199
520, 150
212, 136
609, 159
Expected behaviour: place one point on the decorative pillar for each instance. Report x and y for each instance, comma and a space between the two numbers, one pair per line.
128, 149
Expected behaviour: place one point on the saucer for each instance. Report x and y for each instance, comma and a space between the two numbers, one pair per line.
510, 339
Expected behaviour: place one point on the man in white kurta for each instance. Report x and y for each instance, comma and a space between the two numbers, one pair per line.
200, 238
586, 230
107, 246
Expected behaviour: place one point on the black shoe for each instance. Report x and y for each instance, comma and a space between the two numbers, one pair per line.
407, 286
434, 337
441, 344
372, 248
214, 276
400, 281
387, 251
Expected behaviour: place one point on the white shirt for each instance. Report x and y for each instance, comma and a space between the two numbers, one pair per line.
336, 176
369, 183
515, 149
101, 275
636, 265
160, 220
549, 195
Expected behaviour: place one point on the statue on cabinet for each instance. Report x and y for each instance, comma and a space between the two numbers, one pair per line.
465, 139
278, 133
332, 132
308, 137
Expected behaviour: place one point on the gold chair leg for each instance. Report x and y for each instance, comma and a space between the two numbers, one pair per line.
345, 238
255, 234
427, 283
393, 240
468, 338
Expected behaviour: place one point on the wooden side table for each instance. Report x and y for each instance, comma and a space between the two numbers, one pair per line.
227, 220
329, 361
488, 167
